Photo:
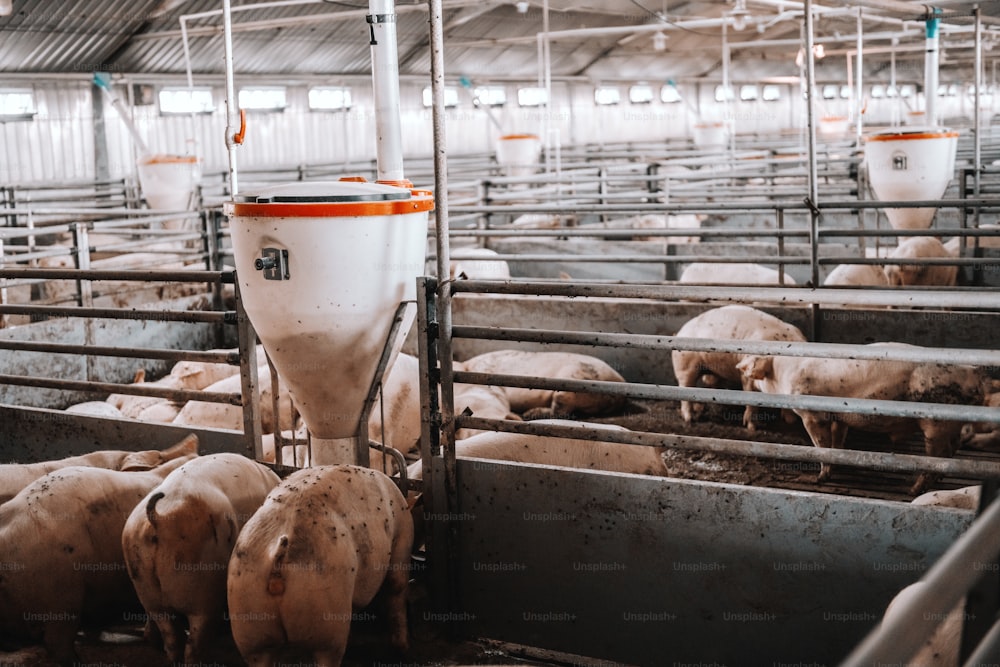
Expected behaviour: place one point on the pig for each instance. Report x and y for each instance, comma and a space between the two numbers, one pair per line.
134, 406
732, 274
223, 415
483, 401
60, 539
178, 540
870, 379
920, 247
478, 264
984, 435
729, 322
96, 409
565, 452
543, 403
325, 541
401, 405
849, 275
942, 647
15, 476
966, 498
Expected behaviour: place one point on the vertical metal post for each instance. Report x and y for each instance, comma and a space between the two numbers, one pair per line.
247, 341
443, 310
232, 113
811, 136
931, 60
3, 288
859, 91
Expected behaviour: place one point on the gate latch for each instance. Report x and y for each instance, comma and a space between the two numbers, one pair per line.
274, 263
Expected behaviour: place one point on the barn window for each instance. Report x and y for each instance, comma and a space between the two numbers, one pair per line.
748, 93
329, 98
640, 93
532, 97
490, 96
771, 93
878, 91
450, 96
906, 90
670, 95
845, 92
268, 98
186, 100
830, 91
17, 105
723, 93
607, 95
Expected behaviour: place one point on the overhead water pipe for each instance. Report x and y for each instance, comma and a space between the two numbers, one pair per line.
931, 62
233, 138
385, 83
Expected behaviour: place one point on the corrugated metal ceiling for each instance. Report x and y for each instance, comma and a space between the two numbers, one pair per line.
484, 38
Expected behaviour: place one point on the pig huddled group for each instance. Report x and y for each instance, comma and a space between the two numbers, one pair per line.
187, 541
832, 377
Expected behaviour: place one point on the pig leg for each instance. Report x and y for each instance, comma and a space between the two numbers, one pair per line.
751, 411
267, 658
824, 432
172, 632
688, 377
59, 637
200, 630
330, 658
941, 438
395, 585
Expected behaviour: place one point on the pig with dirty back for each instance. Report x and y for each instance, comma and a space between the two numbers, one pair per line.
325, 541
61, 550
178, 540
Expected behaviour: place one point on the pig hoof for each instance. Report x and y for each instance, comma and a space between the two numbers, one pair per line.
538, 413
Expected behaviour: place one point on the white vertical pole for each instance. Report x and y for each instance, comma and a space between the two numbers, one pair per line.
385, 84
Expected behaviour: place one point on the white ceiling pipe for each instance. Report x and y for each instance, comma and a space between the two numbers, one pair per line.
385, 83
931, 65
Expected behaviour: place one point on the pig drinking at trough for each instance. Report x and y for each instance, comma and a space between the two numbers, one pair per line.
178, 540
870, 379
60, 539
541, 403
325, 541
728, 322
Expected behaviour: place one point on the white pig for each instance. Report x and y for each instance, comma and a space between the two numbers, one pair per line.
60, 543
542, 403
178, 540
728, 322
870, 379
325, 541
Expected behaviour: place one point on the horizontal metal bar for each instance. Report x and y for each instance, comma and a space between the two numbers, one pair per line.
649, 259
882, 461
898, 638
231, 358
123, 313
120, 274
139, 389
927, 297
913, 353
865, 406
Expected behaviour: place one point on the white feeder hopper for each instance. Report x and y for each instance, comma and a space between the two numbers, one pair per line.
833, 127
168, 182
910, 164
519, 154
710, 136
915, 118
322, 269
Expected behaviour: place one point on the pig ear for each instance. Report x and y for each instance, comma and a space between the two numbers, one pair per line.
140, 376
188, 445
139, 461
754, 367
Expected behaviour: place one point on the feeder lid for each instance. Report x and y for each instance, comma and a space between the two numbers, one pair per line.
346, 197
913, 132
325, 191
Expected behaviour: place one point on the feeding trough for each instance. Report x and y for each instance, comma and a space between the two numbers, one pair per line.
323, 268
910, 164
168, 182
519, 154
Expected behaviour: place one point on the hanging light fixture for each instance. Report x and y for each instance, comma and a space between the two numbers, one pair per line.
739, 15
659, 41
